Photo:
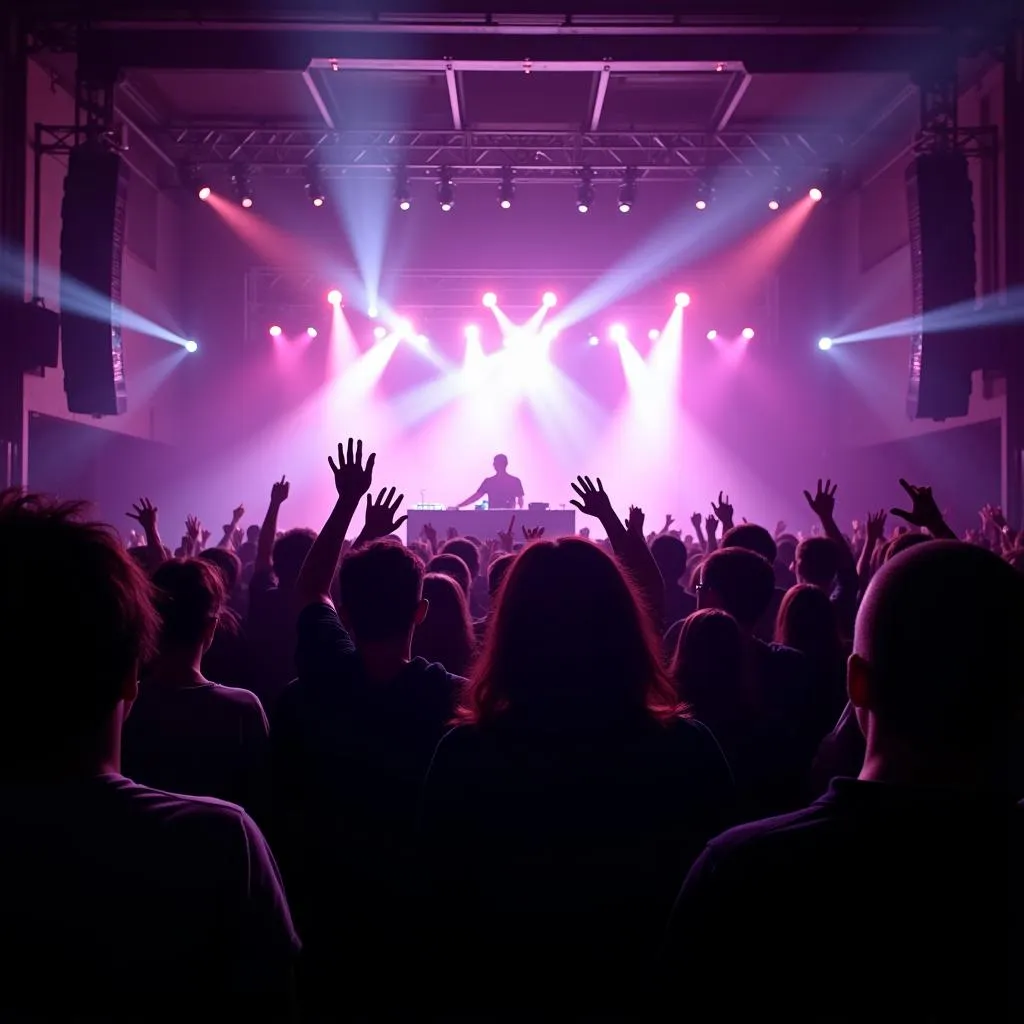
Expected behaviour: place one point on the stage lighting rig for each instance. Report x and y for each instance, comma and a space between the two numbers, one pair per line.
446, 190
314, 189
402, 195
241, 183
627, 191
585, 191
507, 189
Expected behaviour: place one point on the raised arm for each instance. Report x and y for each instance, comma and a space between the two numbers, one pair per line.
228, 540
698, 525
628, 545
924, 512
873, 534
352, 481
145, 514
268, 531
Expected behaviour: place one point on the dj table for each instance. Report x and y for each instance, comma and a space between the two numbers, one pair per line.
488, 523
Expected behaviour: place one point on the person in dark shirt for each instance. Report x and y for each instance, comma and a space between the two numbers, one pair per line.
121, 902
351, 741
503, 490
557, 815
670, 554
898, 893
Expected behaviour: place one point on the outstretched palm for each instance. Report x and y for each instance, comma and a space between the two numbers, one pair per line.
144, 513
823, 504
351, 477
380, 514
593, 500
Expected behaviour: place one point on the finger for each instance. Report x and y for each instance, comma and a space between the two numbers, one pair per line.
350, 455
391, 496
330, 462
341, 454
369, 504
909, 488
901, 514
810, 500
132, 515
819, 486
380, 497
370, 462
577, 504
578, 490
589, 484
400, 521
398, 502
600, 486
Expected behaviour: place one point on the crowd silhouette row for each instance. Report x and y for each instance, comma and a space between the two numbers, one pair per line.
298, 775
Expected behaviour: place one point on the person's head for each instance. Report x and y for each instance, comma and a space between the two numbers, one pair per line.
670, 554
229, 564
247, 553
290, 550
754, 538
936, 671
252, 534
786, 547
76, 622
500, 463
190, 597
381, 593
807, 622
569, 643
496, 573
467, 551
736, 581
707, 665
905, 542
454, 566
817, 562
446, 634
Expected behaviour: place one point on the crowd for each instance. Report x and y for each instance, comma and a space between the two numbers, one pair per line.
721, 774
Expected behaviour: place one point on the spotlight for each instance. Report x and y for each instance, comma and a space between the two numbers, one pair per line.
824, 344
682, 299
202, 189
705, 193
313, 187
618, 333
311, 332
191, 346
773, 203
380, 332
334, 297
627, 191
778, 197
472, 332
404, 328
274, 331
446, 190
585, 191
242, 185
654, 334
593, 341
402, 190
421, 341
815, 195
204, 192
490, 300
372, 312
549, 333
711, 335
701, 204
549, 300
507, 189
747, 333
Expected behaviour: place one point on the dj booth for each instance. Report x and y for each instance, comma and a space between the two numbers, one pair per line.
486, 523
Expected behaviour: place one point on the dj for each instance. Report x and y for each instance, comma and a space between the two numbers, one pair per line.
503, 490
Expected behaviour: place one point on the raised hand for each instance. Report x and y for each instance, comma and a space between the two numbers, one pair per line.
780, 529
507, 538
635, 520
204, 536
823, 504
452, 533
669, 520
698, 521
351, 478
711, 525
430, 535
192, 528
593, 500
238, 538
144, 513
380, 515
876, 526
723, 510
236, 514
924, 512
532, 533
279, 492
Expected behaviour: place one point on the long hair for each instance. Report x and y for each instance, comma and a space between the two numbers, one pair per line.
446, 634
569, 644
708, 666
807, 622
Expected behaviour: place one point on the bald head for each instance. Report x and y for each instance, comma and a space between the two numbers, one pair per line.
939, 645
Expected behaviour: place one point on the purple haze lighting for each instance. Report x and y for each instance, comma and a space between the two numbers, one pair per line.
274, 331
372, 312
334, 297
490, 300
311, 331
747, 333
471, 332
550, 300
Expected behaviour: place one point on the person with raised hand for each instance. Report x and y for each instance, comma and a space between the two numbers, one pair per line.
351, 740
923, 513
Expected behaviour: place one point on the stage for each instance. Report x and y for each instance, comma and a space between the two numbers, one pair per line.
488, 523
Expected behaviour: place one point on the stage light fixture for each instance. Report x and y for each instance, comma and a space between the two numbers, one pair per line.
653, 334
779, 196
627, 191
711, 335
446, 190
705, 193
507, 189
191, 346
204, 192
550, 300
825, 344
311, 332
334, 297
585, 191
815, 194
618, 333
747, 333
682, 299
274, 330
402, 194
421, 341
380, 332
471, 332
404, 328
242, 185
490, 300
372, 312
593, 341
313, 187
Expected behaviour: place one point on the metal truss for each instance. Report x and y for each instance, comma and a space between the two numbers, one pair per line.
484, 155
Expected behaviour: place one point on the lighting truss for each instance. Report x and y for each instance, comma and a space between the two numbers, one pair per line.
486, 155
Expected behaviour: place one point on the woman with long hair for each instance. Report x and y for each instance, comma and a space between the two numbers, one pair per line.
561, 814
445, 636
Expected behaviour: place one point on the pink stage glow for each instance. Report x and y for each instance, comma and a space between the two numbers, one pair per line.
490, 300
682, 299
334, 297
550, 300
274, 331
815, 195
747, 333
311, 331
618, 333
711, 335
205, 192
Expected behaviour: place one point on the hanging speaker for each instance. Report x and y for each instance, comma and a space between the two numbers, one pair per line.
940, 205
91, 253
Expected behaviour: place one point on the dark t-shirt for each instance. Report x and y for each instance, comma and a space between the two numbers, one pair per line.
877, 901
124, 901
270, 638
502, 490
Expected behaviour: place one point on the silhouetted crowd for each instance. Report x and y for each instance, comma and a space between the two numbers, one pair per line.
727, 775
